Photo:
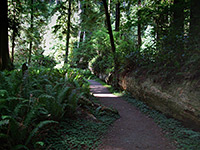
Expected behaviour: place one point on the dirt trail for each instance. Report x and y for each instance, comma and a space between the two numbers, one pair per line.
133, 130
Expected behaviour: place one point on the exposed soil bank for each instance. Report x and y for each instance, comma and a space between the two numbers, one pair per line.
179, 100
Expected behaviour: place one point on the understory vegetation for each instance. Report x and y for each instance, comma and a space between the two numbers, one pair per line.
49, 108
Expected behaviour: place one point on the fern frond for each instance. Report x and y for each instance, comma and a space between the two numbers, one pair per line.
40, 125
4, 122
76, 84
18, 147
5, 109
52, 106
72, 102
36, 93
3, 136
64, 94
18, 108
58, 84
31, 115
3, 93
44, 99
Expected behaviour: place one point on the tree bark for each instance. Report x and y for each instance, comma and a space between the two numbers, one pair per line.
139, 27
178, 18
195, 24
117, 22
68, 32
111, 35
178, 29
31, 28
13, 44
5, 62
81, 36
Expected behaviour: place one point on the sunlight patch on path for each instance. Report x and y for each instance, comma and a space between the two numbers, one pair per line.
104, 95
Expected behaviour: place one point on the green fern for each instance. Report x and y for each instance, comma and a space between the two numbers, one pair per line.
3, 94
72, 102
36, 92
19, 147
3, 136
63, 95
4, 109
31, 115
34, 131
52, 106
4, 122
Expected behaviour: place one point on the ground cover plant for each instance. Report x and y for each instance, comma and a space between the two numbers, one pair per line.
40, 99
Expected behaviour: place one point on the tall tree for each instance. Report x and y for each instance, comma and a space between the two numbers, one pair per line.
111, 35
117, 22
139, 26
178, 17
14, 15
5, 62
195, 23
177, 27
68, 32
31, 29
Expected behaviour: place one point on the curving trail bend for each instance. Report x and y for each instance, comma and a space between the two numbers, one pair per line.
133, 130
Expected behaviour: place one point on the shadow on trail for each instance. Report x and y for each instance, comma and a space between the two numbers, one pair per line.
133, 130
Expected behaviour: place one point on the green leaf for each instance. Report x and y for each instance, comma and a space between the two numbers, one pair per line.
20, 147
3, 94
40, 125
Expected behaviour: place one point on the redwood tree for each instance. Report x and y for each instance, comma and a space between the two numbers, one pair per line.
195, 24
5, 62
178, 28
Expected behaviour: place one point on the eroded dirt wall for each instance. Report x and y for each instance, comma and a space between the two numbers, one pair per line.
181, 101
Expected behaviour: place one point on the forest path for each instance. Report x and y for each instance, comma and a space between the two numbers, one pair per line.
133, 130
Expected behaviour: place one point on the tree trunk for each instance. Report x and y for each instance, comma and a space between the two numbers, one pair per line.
31, 27
195, 24
139, 27
13, 43
14, 33
111, 35
5, 62
178, 18
178, 29
117, 22
81, 36
68, 32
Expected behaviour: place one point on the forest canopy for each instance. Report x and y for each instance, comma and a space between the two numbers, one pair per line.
106, 36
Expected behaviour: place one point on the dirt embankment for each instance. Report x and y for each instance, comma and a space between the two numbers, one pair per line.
133, 130
179, 100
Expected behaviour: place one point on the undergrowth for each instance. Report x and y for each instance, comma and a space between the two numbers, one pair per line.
79, 133
44, 100
184, 138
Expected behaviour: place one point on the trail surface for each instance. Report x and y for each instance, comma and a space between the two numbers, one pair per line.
133, 130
